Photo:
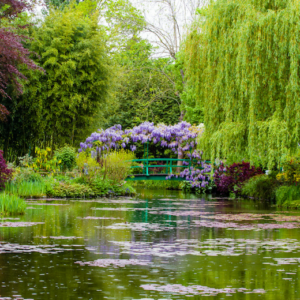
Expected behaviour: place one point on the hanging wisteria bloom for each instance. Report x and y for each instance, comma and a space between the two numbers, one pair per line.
180, 138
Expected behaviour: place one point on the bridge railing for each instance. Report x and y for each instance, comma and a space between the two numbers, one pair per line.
170, 164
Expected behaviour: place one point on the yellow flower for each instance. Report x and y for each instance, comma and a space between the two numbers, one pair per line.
59, 161
48, 149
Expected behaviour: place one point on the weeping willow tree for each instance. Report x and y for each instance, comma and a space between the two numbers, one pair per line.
242, 58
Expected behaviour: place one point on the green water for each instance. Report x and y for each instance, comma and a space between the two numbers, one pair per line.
38, 262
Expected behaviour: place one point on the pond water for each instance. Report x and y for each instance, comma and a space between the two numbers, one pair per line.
158, 245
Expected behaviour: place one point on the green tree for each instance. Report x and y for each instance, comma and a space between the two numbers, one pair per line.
145, 92
242, 60
72, 50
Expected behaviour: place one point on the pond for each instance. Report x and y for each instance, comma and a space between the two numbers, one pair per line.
158, 245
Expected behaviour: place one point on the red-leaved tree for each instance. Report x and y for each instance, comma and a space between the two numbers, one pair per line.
5, 173
230, 179
12, 52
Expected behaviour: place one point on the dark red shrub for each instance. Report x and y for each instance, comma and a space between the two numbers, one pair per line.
5, 173
230, 179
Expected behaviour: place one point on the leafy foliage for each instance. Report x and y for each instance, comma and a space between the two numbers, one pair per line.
26, 174
13, 52
27, 189
11, 205
67, 157
74, 190
88, 164
241, 57
291, 167
146, 91
117, 165
286, 194
260, 187
99, 186
44, 160
72, 50
231, 179
5, 173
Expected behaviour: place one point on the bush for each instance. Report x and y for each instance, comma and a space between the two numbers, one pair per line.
291, 168
287, 194
230, 179
25, 161
87, 164
67, 157
121, 189
11, 204
117, 165
44, 161
26, 174
100, 187
5, 173
260, 187
69, 190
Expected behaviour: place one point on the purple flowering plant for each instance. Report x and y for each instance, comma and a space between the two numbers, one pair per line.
179, 138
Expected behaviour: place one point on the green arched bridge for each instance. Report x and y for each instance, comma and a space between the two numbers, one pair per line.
146, 168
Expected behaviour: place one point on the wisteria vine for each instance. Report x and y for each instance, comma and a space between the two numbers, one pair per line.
180, 138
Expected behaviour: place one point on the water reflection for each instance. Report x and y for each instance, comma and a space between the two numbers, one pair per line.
161, 245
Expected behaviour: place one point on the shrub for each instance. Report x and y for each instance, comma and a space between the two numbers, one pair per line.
286, 194
117, 165
87, 164
260, 187
5, 173
100, 187
25, 161
67, 157
44, 161
230, 179
11, 204
69, 190
291, 168
26, 174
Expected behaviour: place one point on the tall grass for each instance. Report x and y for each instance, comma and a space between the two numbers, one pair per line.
11, 204
26, 189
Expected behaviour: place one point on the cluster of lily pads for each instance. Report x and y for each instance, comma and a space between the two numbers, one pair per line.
180, 138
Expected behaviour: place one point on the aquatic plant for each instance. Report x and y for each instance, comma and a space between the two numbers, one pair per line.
27, 189
11, 204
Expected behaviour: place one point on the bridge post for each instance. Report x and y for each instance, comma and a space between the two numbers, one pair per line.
171, 166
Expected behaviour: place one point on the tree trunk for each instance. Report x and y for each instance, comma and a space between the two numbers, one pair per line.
179, 163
